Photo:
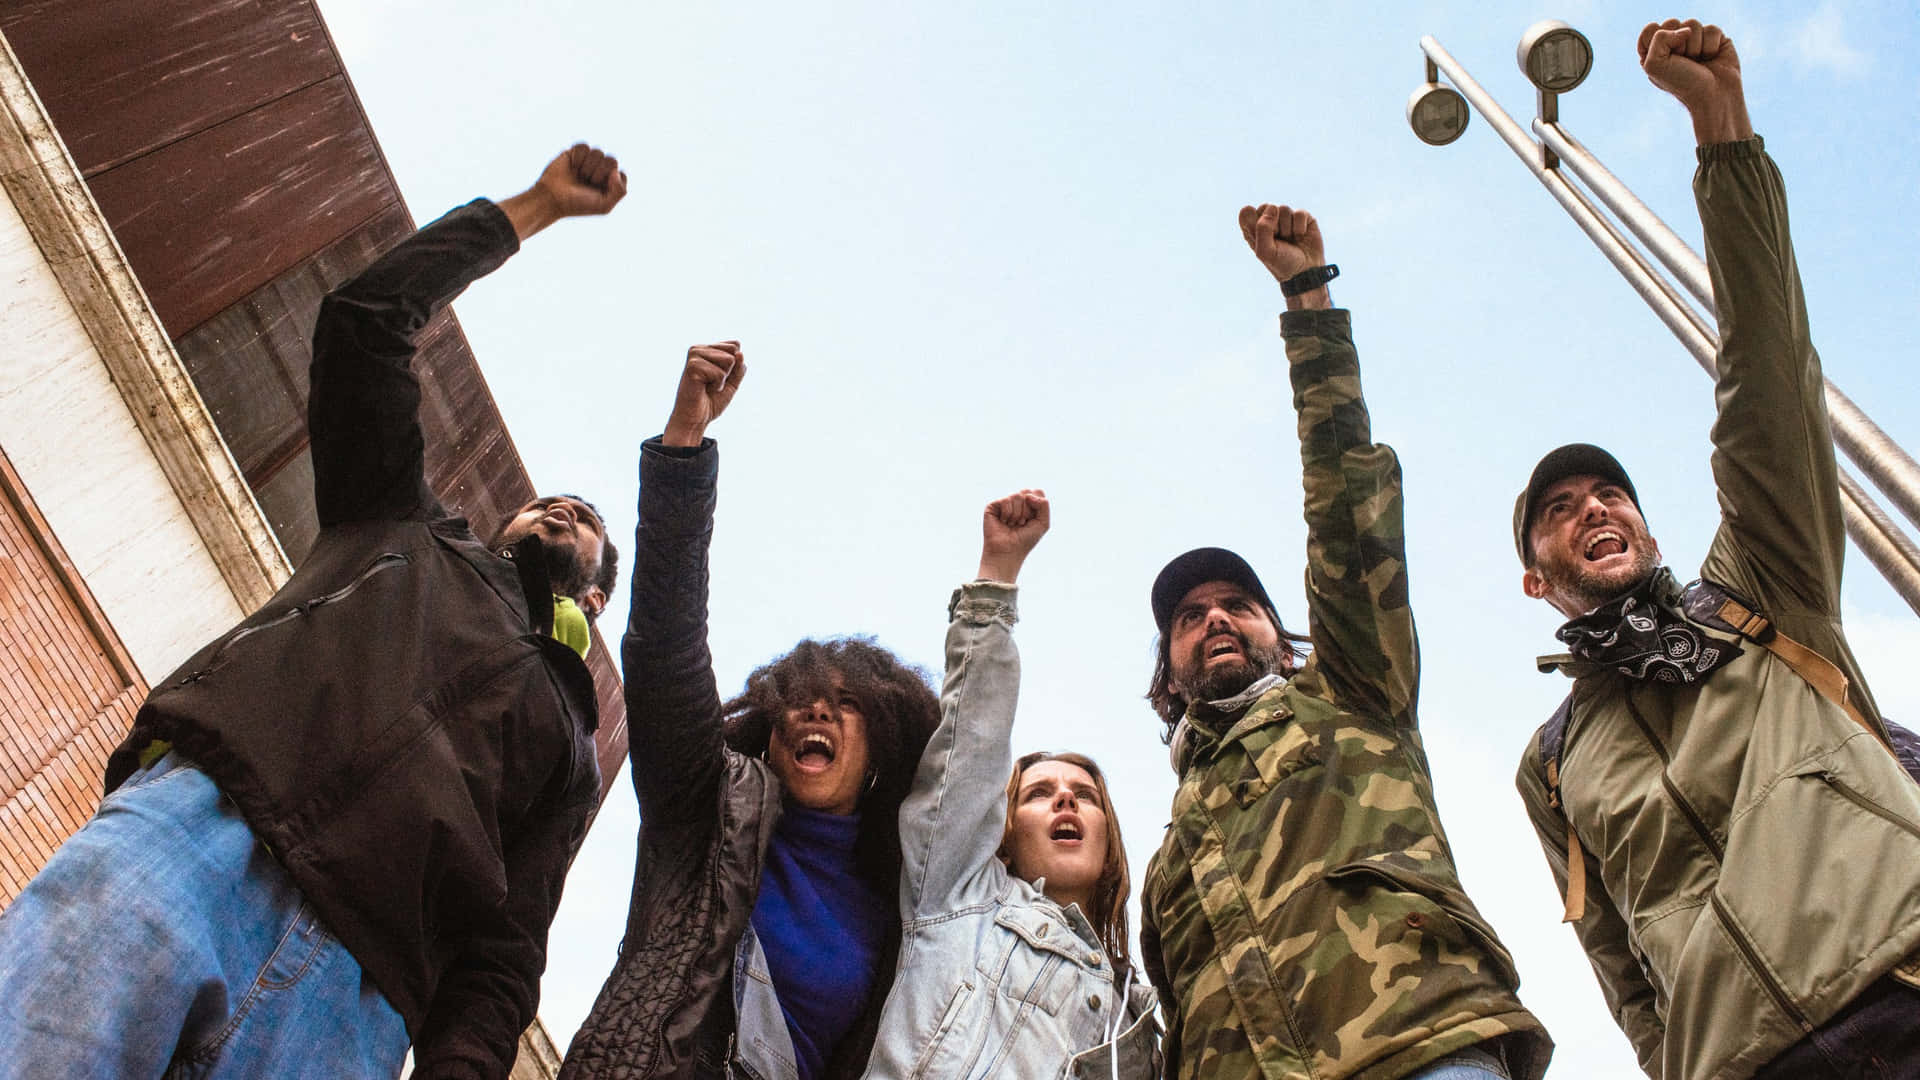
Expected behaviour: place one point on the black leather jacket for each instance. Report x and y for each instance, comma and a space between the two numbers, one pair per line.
395, 724
706, 814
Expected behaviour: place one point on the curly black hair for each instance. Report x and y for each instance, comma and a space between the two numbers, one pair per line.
901, 712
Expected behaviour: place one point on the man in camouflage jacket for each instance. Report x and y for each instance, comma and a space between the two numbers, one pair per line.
1303, 919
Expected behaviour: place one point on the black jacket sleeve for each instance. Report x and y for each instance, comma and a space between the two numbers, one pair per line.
363, 404
673, 702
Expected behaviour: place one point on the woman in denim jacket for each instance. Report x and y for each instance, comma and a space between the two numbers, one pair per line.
1013, 955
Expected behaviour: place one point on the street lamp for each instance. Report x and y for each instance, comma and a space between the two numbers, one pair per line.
1437, 114
1556, 58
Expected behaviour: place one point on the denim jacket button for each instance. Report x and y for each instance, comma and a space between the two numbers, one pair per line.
1043, 929
1093, 959
1093, 1001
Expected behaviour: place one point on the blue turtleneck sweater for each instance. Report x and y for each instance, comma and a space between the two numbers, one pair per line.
821, 927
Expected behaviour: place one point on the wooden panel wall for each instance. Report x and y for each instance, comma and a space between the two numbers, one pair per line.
68, 691
225, 145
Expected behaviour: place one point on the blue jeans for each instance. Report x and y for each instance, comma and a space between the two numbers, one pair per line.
1476, 1062
1454, 1070
163, 939
1876, 1036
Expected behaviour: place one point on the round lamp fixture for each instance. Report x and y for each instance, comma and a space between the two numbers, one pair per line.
1437, 114
1554, 56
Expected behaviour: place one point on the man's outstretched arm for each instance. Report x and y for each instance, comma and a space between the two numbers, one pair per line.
1773, 459
1365, 656
363, 404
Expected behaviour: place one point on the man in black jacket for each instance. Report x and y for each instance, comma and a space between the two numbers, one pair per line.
343, 826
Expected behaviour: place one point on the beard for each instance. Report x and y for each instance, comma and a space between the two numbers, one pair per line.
1573, 577
566, 573
1226, 680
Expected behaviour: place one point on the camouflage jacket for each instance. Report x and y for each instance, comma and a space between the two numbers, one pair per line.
1303, 918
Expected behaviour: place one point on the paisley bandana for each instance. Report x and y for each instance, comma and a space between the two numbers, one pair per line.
1642, 638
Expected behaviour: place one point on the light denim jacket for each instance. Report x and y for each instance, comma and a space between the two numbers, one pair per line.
995, 980
762, 1045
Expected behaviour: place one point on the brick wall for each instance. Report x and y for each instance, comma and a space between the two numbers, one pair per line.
68, 690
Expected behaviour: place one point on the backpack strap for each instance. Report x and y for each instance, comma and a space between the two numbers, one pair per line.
1718, 607
1553, 739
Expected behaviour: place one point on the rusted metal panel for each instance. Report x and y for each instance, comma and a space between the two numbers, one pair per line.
210, 218
126, 77
250, 360
611, 740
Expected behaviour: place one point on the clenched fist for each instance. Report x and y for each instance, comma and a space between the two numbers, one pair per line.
708, 382
1698, 65
1286, 241
1009, 528
581, 181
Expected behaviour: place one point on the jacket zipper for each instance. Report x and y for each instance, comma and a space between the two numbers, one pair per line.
384, 562
1740, 942
1673, 790
1778, 992
1869, 805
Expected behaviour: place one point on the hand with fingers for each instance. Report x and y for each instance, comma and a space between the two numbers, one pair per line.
1286, 241
581, 181
1009, 529
707, 385
1697, 64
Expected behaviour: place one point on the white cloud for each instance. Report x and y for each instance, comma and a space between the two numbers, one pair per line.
1821, 42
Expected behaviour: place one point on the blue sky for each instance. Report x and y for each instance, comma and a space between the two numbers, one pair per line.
973, 248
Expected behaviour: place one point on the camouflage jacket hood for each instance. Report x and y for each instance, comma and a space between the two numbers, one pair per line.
1305, 864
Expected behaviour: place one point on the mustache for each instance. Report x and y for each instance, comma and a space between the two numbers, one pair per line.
1200, 647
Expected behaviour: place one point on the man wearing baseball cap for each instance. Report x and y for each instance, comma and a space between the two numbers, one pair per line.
1738, 851
1303, 916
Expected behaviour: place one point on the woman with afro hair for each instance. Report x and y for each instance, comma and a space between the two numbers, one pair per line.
763, 927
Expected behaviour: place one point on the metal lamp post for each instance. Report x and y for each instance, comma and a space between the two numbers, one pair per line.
1556, 58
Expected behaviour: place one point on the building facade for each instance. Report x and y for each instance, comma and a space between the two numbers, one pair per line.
181, 181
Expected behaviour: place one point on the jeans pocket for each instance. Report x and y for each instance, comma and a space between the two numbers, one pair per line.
297, 954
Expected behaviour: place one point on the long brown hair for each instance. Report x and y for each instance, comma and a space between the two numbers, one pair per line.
1109, 903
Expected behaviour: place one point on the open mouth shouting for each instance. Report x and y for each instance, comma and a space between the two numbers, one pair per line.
1228, 645
1605, 543
814, 752
1067, 830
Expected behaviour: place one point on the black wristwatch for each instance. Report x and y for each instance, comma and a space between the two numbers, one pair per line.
1309, 279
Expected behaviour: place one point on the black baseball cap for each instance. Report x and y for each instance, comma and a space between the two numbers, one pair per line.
1197, 567
1573, 459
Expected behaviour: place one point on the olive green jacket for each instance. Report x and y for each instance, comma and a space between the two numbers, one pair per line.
1303, 918
1752, 855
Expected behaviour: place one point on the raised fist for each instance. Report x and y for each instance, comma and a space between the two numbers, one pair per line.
1698, 65
583, 180
1009, 529
1285, 240
707, 385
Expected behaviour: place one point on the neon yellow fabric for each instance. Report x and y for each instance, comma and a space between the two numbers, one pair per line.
570, 626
